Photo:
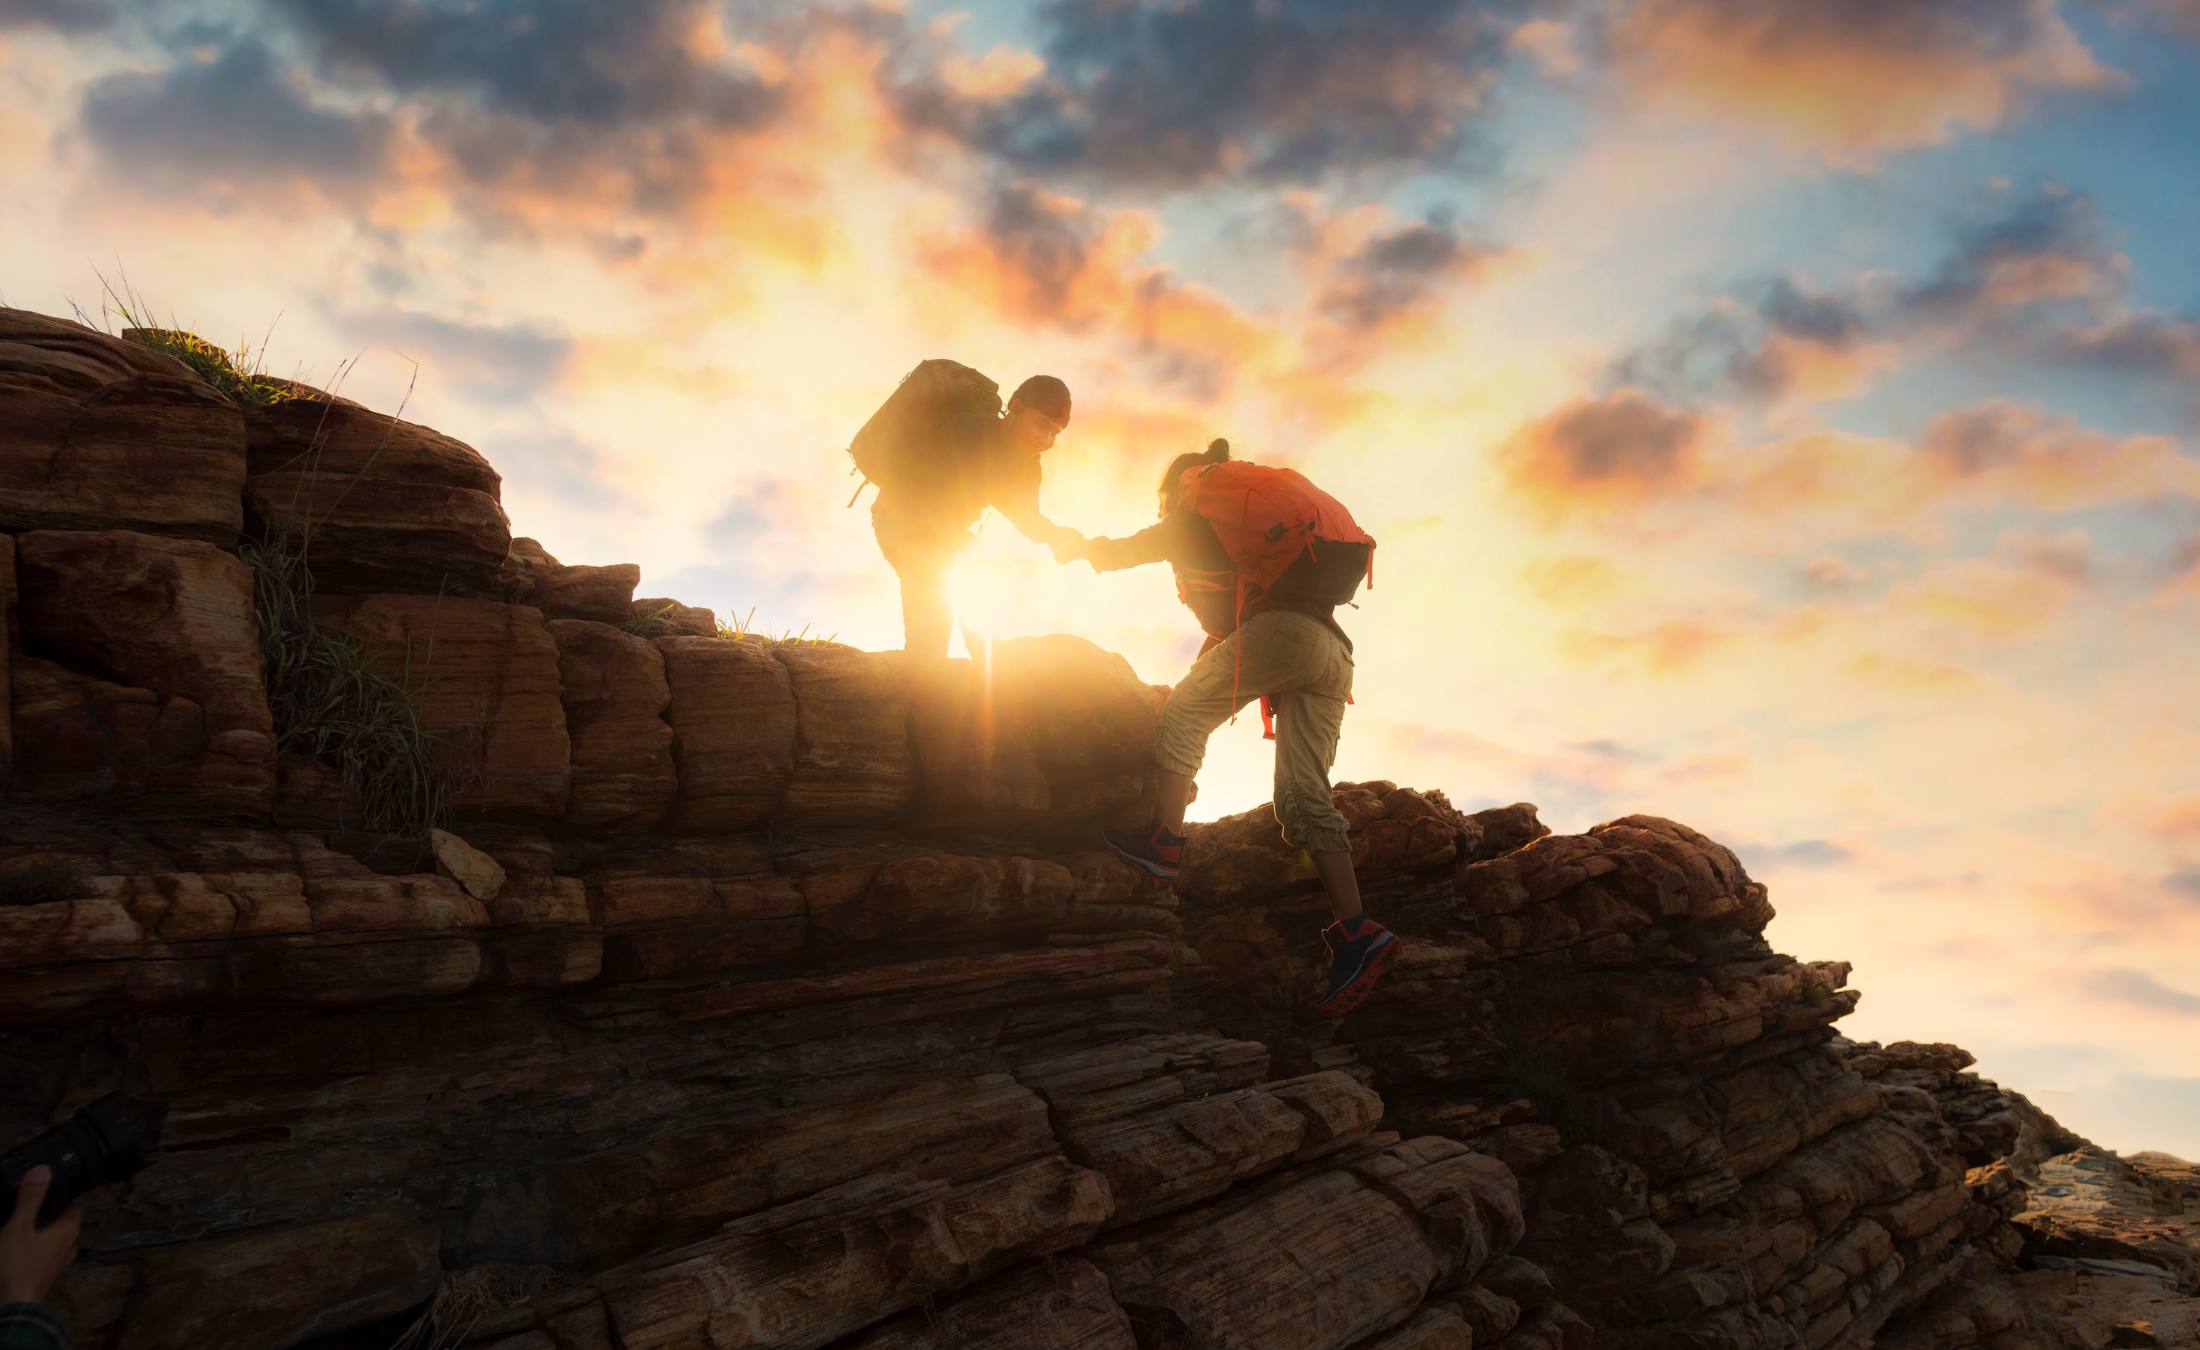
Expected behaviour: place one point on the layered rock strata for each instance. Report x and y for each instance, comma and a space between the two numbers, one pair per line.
775, 995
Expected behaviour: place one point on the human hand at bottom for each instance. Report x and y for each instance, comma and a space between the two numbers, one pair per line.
31, 1257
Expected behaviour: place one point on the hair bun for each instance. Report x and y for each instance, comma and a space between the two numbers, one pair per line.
1218, 450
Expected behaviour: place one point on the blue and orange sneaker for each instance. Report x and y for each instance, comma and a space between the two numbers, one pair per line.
1360, 950
1156, 848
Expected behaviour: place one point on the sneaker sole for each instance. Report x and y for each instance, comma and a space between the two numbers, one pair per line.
1161, 870
1363, 980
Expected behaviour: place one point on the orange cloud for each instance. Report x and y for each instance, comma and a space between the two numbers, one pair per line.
1990, 454
1986, 597
1671, 647
2015, 453
1805, 370
1574, 580
999, 73
1853, 85
2176, 820
1551, 43
1374, 281
1043, 257
1906, 674
1601, 454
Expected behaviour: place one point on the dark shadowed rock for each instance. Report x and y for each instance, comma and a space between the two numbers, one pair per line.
616, 699
733, 731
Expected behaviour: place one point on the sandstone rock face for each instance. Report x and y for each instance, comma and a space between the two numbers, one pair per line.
488, 680
2093, 1208
659, 617
604, 594
733, 731
772, 994
98, 432
852, 764
385, 504
1054, 734
147, 680
616, 697
530, 576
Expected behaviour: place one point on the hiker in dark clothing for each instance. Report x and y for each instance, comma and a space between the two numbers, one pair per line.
31, 1259
1284, 644
923, 522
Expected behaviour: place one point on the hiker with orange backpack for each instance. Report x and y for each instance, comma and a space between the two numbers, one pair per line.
941, 449
1263, 558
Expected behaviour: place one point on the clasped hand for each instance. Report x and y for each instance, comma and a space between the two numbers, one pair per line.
1067, 544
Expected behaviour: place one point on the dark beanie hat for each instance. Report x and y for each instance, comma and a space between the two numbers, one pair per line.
1046, 393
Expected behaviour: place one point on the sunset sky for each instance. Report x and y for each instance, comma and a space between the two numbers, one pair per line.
1778, 415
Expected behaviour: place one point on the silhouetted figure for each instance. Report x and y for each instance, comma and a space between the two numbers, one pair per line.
942, 450
1263, 558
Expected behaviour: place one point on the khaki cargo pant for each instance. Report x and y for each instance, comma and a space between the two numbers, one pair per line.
1308, 670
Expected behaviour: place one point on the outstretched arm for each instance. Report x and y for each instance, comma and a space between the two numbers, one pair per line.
1150, 545
1015, 494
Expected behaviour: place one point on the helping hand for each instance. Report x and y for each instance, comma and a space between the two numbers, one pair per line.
32, 1258
1068, 544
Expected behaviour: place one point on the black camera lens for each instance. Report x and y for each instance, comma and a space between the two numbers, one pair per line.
101, 1143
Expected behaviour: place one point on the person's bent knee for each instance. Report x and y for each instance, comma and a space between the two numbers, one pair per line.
1180, 744
1311, 821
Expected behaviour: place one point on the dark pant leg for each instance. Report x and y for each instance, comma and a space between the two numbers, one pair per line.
920, 557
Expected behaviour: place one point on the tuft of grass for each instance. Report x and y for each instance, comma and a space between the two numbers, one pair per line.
465, 1297
331, 705
237, 375
744, 629
656, 623
1540, 1074
39, 883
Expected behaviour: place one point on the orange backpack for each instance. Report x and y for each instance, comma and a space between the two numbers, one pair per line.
1285, 537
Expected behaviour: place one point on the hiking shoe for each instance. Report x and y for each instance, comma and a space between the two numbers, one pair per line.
1155, 848
1356, 962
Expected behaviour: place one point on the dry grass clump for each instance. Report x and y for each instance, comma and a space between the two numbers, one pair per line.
331, 705
744, 629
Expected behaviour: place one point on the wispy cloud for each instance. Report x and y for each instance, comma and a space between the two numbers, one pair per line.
2137, 989
1853, 84
1172, 97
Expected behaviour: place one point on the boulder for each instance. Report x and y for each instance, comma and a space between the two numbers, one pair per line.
381, 504
486, 682
733, 731
1052, 735
895, 1244
616, 699
276, 1287
98, 432
530, 576
1394, 832
1324, 1262
467, 865
523, 562
852, 764
605, 594
2090, 1205
147, 682
658, 617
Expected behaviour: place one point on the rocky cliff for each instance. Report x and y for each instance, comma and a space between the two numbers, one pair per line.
774, 995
